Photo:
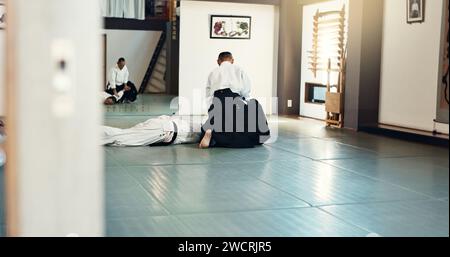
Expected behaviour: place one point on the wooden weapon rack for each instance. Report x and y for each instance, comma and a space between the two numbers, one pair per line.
331, 24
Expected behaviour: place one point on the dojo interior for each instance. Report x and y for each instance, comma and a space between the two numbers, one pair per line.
378, 165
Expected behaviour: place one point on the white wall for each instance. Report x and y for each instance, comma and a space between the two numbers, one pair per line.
2, 72
313, 110
410, 66
198, 53
136, 46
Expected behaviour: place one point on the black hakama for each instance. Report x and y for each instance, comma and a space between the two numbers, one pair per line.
235, 122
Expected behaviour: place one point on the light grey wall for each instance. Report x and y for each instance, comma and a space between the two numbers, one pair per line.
289, 57
353, 76
410, 67
363, 63
370, 72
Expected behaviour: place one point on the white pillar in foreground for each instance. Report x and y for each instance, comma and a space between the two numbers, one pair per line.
54, 171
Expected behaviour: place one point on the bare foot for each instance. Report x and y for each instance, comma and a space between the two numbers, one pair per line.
206, 139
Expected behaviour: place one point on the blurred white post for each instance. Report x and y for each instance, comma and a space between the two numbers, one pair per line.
54, 172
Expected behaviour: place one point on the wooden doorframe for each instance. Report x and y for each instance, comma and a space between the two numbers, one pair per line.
105, 52
11, 167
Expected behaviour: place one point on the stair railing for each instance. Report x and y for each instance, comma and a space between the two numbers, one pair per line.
153, 61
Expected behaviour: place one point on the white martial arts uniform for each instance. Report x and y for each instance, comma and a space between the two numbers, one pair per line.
104, 95
153, 131
228, 75
118, 76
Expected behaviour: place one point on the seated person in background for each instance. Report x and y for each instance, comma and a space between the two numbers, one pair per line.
127, 94
159, 131
118, 77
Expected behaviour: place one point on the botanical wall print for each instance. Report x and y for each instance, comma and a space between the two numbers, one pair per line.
230, 27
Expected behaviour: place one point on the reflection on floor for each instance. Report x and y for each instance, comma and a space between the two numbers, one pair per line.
313, 181
146, 104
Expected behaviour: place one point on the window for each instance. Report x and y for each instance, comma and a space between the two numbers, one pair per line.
315, 93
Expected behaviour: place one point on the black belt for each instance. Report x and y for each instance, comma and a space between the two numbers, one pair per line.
174, 137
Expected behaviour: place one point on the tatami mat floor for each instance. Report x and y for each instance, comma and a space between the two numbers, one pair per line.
312, 181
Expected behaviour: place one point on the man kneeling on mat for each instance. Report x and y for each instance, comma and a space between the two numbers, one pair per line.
234, 120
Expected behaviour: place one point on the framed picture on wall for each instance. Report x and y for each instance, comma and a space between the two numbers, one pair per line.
230, 27
2, 15
415, 11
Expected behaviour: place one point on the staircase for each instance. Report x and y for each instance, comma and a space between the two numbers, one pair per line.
154, 78
157, 83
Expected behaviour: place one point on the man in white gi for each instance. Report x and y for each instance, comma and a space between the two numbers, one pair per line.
227, 75
231, 82
159, 131
118, 77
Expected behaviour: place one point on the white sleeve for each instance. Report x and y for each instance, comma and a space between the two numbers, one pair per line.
104, 96
112, 79
209, 94
120, 94
246, 85
127, 74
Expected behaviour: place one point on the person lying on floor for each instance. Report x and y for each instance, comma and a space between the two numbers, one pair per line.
160, 131
234, 120
109, 99
126, 95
